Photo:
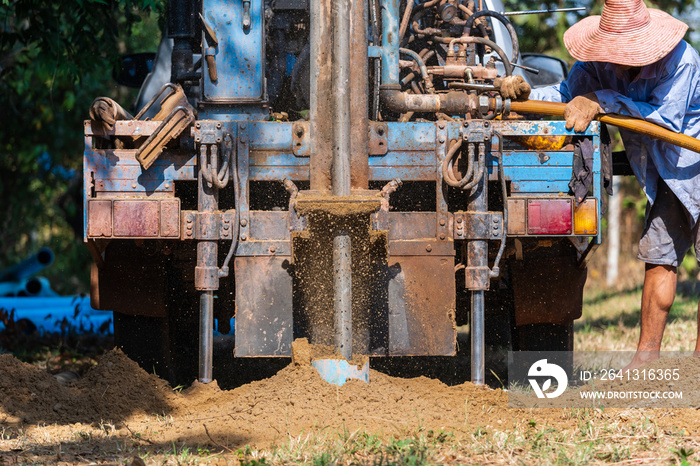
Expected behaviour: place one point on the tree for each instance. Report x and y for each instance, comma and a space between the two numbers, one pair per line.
55, 57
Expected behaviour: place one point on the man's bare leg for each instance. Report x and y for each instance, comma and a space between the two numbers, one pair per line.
697, 342
657, 297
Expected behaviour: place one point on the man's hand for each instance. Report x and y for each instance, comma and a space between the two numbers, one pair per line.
581, 111
512, 87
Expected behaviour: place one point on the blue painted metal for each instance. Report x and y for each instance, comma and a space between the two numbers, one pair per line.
390, 41
338, 371
239, 56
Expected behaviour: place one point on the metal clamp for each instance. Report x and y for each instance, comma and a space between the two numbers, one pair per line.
478, 225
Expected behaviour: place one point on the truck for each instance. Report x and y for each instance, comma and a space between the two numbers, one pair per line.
342, 171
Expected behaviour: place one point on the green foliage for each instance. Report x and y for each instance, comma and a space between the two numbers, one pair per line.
55, 58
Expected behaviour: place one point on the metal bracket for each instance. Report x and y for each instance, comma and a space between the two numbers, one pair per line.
478, 225
477, 131
378, 141
211, 226
208, 132
300, 140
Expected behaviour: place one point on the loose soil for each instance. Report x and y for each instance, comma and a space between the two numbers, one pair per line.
117, 402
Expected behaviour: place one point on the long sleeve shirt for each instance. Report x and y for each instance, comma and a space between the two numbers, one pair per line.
666, 93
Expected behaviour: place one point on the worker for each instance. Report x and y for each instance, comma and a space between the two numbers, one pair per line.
633, 61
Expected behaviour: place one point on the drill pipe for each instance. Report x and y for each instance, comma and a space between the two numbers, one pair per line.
633, 124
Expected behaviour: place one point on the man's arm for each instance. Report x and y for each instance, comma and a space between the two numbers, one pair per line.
582, 79
667, 105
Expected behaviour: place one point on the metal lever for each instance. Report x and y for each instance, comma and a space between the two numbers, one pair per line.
537, 12
522, 67
246, 14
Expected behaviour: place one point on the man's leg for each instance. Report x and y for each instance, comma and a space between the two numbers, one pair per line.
697, 342
657, 297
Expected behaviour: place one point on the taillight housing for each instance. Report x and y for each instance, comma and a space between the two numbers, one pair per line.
552, 216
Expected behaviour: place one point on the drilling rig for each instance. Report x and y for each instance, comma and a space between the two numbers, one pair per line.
345, 171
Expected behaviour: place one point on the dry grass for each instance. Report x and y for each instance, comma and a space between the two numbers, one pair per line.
610, 321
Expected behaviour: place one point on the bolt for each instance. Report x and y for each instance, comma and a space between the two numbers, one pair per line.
486, 137
218, 139
442, 235
465, 124
198, 125
133, 185
273, 249
226, 226
167, 186
242, 126
495, 220
487, 124
299, 131
442, 139
428, 248
380, 130
197, 139
441, 125
459, 219
442, 222
243, 140
244, 222
244, 237
189, 233
218, 126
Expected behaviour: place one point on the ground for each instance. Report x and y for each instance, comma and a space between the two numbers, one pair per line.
117, 413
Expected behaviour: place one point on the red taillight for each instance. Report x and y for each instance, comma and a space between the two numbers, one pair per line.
549, 217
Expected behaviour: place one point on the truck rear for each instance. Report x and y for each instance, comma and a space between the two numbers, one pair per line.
348, 173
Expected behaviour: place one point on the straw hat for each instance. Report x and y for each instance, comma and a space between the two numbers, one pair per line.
627, 33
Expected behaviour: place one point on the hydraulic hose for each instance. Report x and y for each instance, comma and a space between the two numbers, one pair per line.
506, 23
633, 124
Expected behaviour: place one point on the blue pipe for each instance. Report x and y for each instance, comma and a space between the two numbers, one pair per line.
390, 42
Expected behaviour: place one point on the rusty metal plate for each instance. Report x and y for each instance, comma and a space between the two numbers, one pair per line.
170, 218
99, 219
263, 306
516, 217
421, 306
136, 219
378, 141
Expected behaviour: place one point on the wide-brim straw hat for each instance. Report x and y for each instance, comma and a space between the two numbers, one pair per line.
626, 33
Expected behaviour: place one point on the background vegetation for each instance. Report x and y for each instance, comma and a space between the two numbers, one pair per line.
55, 57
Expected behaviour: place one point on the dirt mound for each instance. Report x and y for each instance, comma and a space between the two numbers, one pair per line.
28, 394
118, 387
294, 403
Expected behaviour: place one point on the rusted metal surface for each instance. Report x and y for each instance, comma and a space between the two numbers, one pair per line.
547, 289
136, 219
359, 90
321, 95
170, 218
478, 225
263, 306
99, 219
300, 139
378, 140
421, 306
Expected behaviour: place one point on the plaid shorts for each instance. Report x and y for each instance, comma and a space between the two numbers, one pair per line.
668, 231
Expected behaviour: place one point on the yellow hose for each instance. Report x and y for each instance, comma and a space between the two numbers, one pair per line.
633, 124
